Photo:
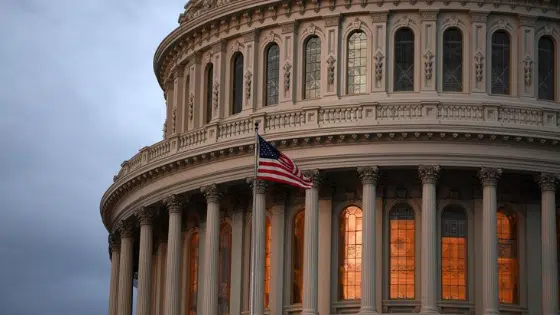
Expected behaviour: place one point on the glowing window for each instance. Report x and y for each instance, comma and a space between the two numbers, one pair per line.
350, 254
508, 276
453, 254
357, 63
297, 258
193, 272
224, 276
402, 252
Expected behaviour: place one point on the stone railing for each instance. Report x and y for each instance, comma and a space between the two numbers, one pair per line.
360, 118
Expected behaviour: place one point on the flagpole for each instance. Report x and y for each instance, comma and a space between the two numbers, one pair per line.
253, 224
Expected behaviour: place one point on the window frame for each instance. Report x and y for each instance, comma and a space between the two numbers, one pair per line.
237, 83
208, 89
442, 60
265, 63
304, 67
555, 69
392, 57
346, 49
468, 278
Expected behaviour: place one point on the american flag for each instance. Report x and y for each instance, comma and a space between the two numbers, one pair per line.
275, 166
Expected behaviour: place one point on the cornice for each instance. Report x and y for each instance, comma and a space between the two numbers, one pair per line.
221, 20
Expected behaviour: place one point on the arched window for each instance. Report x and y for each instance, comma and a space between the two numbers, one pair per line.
312, 67
402, 252
501, 57
547, 66
272, 74
297, 257
209, 81
508, 277
453, 254
224, 276
267, 260
404, 60
237, 87
193, 272
453, 60
350, 254
357, 63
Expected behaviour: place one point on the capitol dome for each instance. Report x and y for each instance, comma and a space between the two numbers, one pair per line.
430, 130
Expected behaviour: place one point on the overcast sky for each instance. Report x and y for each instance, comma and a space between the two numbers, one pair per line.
77, 97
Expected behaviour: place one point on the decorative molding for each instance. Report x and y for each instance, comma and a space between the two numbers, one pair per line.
114, 242
489, 176
428, 173
237, 47
146, 215
215, 94
173, 203
191, 106
288, 28
501, 24
404, 21
287, 74
429, 15
528, 69
312, 29
126, 228
479, 65
248, 81
378, 58
379, 17
259, 186
479, 17
316, 177
428, 64
368, 174
332, 21
330, 68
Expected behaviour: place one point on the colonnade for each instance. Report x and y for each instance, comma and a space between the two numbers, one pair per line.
122, 250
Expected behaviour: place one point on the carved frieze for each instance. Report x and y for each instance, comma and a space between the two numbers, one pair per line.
146, 215
248, 80
287, 73
332, 21
126, 228
331, 61
259, 186
479, 65
379, 17
191, 106
316, 177
288, 28
215, 94
368, 174
528, 69
211, 193
489, 176
547, 181
428, 64
428, 173
173, 203
378, 58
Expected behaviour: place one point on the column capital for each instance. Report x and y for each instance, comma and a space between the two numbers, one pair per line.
259, 185
114, 242
315, 176
211, 193
126, 228
489, 176
429, 173
368, 174
173, 204
547, 181
146, 215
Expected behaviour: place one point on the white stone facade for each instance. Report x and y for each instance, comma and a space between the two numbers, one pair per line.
469, 123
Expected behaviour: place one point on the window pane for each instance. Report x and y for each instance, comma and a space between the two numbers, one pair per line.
402, 255
209, 81
454, 254
357, 63
507, 258
272, 74
312, 67
404, 60
224, 276
237, 84
267, 263
453, 60
350, 254
547, 66
297, 277
500, 63
193, 273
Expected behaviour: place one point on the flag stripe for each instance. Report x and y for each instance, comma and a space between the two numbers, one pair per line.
283, 180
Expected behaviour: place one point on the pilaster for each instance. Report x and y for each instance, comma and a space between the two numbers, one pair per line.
220, 104
379, 69
287, 63
489, 178
549, 263
478, 51
330, 74
526, 77
169, 106
179, 100
429, 287
428, 49
251, 71
196, 95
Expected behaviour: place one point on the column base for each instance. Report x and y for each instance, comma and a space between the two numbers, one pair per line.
491, 312
309, 312
429, 311
368, 311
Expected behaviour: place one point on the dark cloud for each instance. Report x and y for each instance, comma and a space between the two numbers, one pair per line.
77, 97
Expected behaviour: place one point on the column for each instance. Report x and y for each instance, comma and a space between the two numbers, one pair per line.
115, 243
489, 178
126, 229
428, 292
143, 302
379, 72
549, 249
478, 52
428, 39
211, 249
369, 176
174, 246
278, 222
258, 242
311, 245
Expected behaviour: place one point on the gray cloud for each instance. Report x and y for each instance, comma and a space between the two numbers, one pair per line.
77, 97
